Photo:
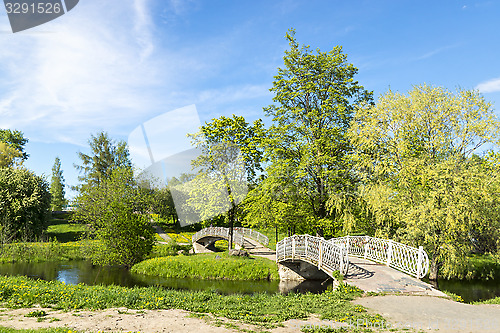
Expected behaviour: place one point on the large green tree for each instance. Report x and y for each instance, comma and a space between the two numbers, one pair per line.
117, 211
420, 180
220, 183
306, 147
57, 186
105, 156
237, 132
24, 204
12, 144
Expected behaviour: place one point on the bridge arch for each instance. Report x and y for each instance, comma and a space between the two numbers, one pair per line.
210, 235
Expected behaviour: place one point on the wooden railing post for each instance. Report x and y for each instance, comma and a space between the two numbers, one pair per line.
293, 247
347, 243
419, 262
389, 253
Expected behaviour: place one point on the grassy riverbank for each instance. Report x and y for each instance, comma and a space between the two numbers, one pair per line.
209, 266
259, 309
44, 251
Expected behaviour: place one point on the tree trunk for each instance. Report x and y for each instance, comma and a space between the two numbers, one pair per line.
276, 230
433, 269
231, 226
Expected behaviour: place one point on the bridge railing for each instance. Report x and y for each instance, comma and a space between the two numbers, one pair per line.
402, 257
327, 256
218, 232
262, 239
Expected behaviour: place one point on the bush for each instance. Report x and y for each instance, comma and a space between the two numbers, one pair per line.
114, 209
24, 205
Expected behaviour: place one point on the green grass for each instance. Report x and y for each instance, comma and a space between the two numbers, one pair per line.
169, 249
65, 232
484, 267
489, 301
46, 251
264, 310
221, 245
206, 266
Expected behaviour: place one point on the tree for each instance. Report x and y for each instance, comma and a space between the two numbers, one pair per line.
106, 155
24, 204
116, 209
306, 147
247, 138
57, 186
220, 184
8, 155
420, 180
16, 140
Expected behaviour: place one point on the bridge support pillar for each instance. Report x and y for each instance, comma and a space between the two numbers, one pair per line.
299, 271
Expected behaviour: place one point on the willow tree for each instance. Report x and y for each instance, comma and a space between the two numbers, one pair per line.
306, 147
415, 154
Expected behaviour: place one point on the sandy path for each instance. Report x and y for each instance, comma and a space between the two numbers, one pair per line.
144, 321
431, 313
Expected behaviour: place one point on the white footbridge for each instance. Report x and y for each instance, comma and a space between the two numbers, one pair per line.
333, 254
211, 234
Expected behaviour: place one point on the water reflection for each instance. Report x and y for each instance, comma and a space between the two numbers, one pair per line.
470, 290
75, 272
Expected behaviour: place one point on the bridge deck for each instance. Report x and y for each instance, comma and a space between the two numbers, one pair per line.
371, 276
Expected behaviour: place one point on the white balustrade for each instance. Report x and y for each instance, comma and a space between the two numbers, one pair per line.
410, 260
219, 232
317, 251
255, 235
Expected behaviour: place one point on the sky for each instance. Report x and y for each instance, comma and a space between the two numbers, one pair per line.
117, 65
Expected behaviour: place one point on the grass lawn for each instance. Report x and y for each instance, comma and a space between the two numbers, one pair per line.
264, 310
218, 265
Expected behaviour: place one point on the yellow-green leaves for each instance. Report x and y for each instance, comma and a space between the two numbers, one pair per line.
421, 179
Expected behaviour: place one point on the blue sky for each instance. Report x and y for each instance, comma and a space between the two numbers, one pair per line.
113, 65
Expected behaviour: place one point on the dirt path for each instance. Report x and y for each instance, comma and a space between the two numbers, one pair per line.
412, 313
144, 321
431, 313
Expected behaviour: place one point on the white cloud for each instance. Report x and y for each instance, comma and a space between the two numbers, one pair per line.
437, 51
489, 86
90, 70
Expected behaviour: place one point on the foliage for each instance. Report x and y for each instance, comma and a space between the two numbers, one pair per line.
421, 181
116, 210
306, 147
15, 140
57, 187
479, 267
162, 203
105, 156
490, 301
219, 185
258, 309
24, 204
8, 155
238, 132
207, 266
